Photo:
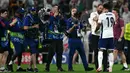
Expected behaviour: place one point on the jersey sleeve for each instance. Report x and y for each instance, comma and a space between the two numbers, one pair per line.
92, 15
51, 22
100, 19
26, 21
114, 18
2, 24
121, 23
68, 24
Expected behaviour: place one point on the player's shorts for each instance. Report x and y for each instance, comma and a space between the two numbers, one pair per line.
4, 46
32, 43
106, 43
119, 45
2, 50
17, 47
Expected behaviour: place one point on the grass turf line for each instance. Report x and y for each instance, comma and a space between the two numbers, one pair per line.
78, 68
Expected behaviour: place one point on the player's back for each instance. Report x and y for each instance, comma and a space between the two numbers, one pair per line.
107, 21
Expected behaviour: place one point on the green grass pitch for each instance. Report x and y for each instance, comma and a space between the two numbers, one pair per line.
77, 67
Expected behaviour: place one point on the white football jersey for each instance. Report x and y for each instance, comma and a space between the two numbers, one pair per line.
107, 20
93, 23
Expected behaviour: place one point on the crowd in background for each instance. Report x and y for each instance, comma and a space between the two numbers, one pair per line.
35, 17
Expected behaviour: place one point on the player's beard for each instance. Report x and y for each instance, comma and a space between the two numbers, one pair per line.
99, 12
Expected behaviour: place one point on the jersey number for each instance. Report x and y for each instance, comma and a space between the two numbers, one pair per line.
110, 21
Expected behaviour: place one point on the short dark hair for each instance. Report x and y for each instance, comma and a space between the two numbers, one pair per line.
107, 5
116, 9
3, 10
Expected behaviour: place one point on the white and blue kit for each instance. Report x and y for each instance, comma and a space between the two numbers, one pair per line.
107, 20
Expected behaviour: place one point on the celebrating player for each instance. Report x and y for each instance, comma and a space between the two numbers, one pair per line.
105, 23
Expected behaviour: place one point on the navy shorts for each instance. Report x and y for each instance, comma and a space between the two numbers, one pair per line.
17, 47
106, 43
32, 43
4, 46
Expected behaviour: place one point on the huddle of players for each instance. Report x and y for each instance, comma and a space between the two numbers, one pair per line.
107, 34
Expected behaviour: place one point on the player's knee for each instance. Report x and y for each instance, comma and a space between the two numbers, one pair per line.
124, 59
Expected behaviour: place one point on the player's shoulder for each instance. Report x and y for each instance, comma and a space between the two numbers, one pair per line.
111, 13
69, 20
94, 13
108, 13
102, 15
121, 19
